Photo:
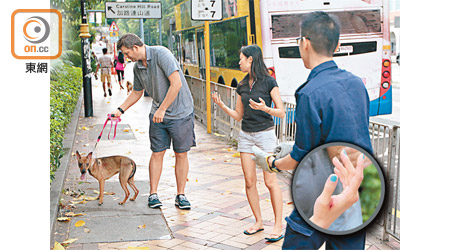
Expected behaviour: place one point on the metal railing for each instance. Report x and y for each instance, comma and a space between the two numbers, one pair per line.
385, 142
386, 147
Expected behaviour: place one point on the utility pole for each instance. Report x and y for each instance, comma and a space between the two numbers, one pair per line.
141, 27
86, 62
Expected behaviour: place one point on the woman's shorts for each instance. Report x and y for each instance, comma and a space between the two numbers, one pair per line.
266, 140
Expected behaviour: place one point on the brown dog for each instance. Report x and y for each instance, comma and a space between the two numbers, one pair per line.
129, 87
104, 168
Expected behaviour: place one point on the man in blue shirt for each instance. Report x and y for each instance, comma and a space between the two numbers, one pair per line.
332, 106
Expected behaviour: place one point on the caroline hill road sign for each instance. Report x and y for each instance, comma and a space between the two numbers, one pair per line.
133, 10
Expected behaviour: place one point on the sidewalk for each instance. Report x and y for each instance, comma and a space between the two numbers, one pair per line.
215, 188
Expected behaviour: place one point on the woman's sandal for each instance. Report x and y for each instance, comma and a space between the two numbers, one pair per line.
275, 239
252, 233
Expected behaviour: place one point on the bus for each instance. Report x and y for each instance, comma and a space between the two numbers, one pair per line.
274, 25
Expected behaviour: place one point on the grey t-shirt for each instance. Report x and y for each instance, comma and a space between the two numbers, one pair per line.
155, 80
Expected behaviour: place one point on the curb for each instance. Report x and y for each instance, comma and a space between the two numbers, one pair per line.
60, 175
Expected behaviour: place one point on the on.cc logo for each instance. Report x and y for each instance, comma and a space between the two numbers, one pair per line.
36, 30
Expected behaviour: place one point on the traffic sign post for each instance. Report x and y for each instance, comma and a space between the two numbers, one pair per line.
207, 10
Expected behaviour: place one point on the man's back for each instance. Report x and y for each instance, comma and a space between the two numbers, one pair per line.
332, 106
105, 64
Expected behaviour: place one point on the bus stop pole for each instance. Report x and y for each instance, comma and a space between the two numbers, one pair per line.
208, 79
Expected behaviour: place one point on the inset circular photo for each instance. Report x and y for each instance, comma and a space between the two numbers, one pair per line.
338, 188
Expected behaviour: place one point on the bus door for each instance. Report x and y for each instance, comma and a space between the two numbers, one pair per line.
201, 53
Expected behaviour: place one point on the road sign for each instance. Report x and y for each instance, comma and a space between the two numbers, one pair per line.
206, 10
114, 39
113, 27
133, 10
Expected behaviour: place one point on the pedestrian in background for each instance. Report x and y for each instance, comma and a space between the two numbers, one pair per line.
172, 113
105, 64
120, 65
255, 94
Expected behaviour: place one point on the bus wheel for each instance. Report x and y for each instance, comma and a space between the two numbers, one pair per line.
234, 83
221, 81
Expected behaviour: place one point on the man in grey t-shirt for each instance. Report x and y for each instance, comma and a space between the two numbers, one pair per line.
172, 114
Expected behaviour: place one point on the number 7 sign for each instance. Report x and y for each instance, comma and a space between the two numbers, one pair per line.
206, 10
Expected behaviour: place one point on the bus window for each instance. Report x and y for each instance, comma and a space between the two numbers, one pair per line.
227, 38
289, 52
352, 22
189, 51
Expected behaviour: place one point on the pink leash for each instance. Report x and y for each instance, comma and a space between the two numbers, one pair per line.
114, 120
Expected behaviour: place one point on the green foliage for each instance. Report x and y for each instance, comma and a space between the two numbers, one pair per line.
71, 58
370, 192
65, 87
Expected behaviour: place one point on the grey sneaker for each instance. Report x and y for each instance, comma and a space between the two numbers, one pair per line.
153, 201
182, 202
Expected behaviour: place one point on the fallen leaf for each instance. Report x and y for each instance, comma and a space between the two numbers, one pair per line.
63, 219
142, 226
79, 223
84, 128
58, 246
79, 198
184, 213
68, 241
107, 193
72, 214
91, 198
87, 230
268, 200
196, 180
126, 130
212, 159
229, 149
289, 203
236, 154
227, 160
216, 134
79, 202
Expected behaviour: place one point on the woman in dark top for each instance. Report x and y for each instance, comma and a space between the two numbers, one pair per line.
255, 94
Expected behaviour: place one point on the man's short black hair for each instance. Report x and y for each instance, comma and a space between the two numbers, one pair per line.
322, 30
105, 50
